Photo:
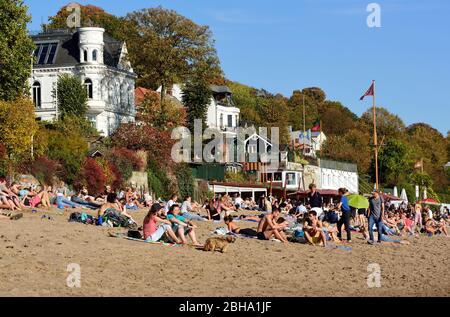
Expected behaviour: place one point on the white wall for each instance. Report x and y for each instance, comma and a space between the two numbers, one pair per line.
334, 179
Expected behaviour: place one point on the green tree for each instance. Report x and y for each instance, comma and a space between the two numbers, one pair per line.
429, 144
72, 96
166, 47
336, 119
16, 49
275, 112
244, 97
311, 97
393, 162
196, 98
70, 149
388, 124
353, 147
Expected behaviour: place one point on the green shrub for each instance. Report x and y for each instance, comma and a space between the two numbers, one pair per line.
185, 180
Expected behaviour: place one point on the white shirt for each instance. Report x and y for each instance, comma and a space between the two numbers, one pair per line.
169, 204
238, 201
186, 207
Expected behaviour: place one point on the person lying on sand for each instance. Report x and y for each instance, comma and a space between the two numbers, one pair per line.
182, 226
313, 230
154, 232
233, 227
10, 216
269, 228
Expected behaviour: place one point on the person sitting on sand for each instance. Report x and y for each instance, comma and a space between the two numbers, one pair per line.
233, 227
226, 206
269, 228
182, 226
432, 227
212, 211
8, 197
132, 200
313, 230
187, 210
154, 232
330, 231
172, 201
113, 206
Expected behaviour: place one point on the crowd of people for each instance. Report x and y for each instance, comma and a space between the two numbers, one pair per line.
303, 219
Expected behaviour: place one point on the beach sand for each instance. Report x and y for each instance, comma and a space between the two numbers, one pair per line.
35, 254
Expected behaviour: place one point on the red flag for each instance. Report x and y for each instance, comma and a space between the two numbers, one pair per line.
369, 92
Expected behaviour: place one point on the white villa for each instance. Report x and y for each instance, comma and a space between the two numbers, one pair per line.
222, 114
309, 142
99, 61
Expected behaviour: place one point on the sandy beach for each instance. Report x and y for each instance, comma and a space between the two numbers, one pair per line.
35, 253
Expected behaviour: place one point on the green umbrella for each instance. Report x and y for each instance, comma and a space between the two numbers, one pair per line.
358, 202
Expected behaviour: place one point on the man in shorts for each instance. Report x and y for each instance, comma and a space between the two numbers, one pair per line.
268, 227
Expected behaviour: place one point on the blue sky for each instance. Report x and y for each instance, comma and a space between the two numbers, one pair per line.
285, 45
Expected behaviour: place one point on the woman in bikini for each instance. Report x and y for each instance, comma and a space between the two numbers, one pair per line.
234, 228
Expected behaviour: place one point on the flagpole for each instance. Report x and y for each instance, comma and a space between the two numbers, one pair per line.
375, 136
304, 123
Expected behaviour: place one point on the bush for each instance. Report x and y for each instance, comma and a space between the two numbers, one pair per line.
93, 176
185, 180
158, 182
70, 150
45, 170
126, 161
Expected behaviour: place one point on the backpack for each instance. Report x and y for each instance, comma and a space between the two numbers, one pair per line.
118, 220
81, 218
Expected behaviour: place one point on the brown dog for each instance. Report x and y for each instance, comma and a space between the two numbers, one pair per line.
218, 244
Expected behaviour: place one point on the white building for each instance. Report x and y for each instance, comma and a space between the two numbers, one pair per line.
335, 175
309, 142
99, 61
222, 114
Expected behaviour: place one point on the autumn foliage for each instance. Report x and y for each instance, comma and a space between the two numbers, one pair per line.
93, 176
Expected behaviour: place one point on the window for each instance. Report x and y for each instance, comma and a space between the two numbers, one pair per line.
94, 55
221, 120
37, 94
85, 56
89, 88
230, 120
45, 53
290, 179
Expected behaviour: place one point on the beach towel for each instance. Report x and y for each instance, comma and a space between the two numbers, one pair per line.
126, 237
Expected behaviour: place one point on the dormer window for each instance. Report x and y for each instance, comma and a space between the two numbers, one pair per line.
45, 53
